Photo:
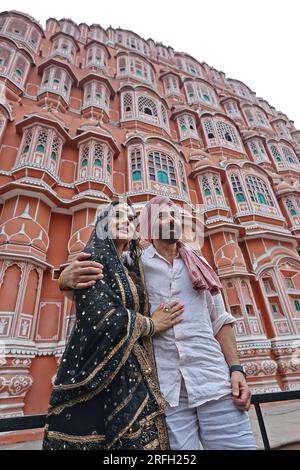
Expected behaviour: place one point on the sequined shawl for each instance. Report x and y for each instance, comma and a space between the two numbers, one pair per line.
107, 359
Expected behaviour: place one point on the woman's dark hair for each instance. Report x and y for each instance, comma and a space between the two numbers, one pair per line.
134, 248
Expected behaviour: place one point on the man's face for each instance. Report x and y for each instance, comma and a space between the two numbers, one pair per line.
167, 225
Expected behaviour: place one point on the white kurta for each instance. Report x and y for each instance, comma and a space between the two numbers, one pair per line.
189, 349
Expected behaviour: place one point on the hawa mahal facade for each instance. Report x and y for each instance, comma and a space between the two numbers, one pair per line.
88, 113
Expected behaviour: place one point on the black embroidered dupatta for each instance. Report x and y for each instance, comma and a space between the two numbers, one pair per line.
106, 393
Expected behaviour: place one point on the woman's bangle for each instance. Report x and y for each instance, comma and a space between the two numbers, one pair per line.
60, 285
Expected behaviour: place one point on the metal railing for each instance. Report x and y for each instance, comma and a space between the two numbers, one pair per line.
22, 423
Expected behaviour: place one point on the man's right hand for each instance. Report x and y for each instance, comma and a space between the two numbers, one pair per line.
81, 273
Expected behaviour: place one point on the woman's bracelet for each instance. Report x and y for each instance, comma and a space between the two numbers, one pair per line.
148, 327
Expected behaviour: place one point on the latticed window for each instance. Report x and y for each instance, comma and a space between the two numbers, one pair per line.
206, 186
136, 165
98, 161
216, 184
231, 108
64, 47
171, 85
96, 94
258, 151
237, 188
187, 126
161, 168
84, 157
41, 146
226, 132
147, 106
291, 206
94, 161
209, 129
96, 57
136, 68
57, 80
276, 153
128, 105
289, 155
259, 191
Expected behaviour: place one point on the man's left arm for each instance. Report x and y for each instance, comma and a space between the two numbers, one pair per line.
240, 390
222, 325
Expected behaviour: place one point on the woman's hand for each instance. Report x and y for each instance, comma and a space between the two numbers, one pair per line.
166, 316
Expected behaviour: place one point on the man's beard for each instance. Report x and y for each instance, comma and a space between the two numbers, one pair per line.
169, 234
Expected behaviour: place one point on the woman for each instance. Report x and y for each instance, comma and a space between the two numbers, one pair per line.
106, 393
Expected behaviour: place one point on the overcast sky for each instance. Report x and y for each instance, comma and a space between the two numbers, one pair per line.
254, 41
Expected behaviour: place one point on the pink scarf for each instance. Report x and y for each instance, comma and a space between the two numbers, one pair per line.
202, 275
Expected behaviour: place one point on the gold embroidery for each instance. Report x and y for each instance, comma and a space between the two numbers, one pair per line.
152, 445
59, 409
100, 366
70, 438
122, 290
125, 402
107, 315
139, 411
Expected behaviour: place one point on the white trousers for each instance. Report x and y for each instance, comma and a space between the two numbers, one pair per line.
217, 425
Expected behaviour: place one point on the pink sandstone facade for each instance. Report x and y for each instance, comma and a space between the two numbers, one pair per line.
88, 113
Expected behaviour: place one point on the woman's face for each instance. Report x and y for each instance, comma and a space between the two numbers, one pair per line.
122, 223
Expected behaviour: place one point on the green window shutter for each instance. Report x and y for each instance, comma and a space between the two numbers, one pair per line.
97, 162
108, 168
240, 197
40, 148
218, 191
261, 198
137, 175
53, 156
207, 192
297, 305
26, 149
84, 163
293, 212
162, 177
274, 308
19, 73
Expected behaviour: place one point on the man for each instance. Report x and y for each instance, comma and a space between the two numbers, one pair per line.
197, 360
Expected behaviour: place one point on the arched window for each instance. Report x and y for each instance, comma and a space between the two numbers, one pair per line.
227, 132
291, 206
259, 191
206, 186
97, 161
209, 129
136, 165
6, 55
57, 80
161, 168
216, 185
96, 57
276, 153
41, 147
127, 105
237, 188
147, 106
187, 127
289, 155
171, 84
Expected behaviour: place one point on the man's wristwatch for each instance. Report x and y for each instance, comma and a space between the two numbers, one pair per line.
237, 368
